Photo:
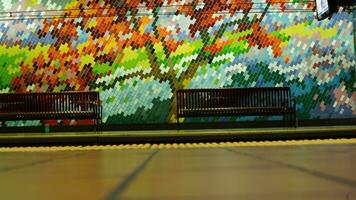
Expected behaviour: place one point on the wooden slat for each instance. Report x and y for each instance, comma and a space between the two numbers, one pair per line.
42, 106
233, 101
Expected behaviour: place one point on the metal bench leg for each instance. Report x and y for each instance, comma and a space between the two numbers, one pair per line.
293, 120
99, 125
287, 120
96, 125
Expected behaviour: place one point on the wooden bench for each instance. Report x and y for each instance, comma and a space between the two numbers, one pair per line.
237, 102
51, 106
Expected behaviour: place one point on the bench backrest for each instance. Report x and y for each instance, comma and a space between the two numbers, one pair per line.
49, 102
234, 97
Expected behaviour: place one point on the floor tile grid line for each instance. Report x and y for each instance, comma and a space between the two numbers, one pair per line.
116, 193
39, 162
315, 173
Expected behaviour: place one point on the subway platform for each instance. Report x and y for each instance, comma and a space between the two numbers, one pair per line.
306, 169
262, 163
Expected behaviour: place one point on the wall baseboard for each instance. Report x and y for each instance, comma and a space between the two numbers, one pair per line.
181, 126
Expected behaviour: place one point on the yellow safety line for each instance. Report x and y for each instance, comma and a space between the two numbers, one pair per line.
179, 145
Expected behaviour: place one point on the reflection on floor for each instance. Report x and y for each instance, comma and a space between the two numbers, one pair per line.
306, 169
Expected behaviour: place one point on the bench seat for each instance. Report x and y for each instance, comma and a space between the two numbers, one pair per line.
234, 110
236, 102
51, 106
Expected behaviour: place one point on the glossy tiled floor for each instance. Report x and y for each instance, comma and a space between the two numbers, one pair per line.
323, 169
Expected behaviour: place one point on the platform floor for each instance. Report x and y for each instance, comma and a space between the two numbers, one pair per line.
303, 169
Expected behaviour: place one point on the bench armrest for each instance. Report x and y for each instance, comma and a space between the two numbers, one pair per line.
289, 101
294, 102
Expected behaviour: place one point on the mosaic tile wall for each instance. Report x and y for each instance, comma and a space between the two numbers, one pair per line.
354, 20
138, 52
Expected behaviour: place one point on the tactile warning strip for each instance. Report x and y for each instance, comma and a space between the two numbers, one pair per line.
180, 145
